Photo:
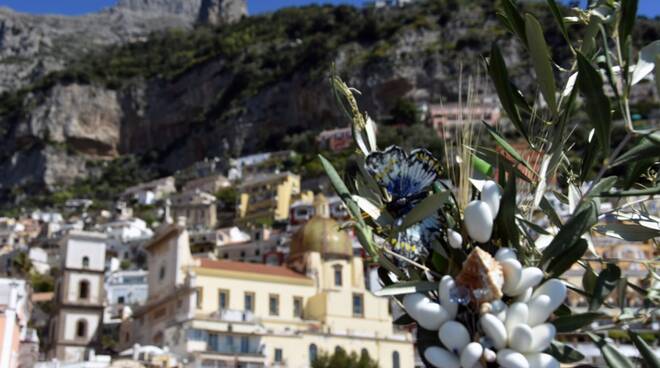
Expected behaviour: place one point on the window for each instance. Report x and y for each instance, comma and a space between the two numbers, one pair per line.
358, 305
245, 344
278, 355
85, 262
200, 297
396, 361
81, 328
213, 342
257, 252
120, 300
161, 272
248, 302
83, 290
242, 254
230, 342
297, 306
313, 353
274, 305
364, 354
223, 299
338, 276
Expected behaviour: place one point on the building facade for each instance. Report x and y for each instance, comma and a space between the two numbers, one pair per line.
18, 343
199, 208
79, 297
267, 198
221, 313
209, 184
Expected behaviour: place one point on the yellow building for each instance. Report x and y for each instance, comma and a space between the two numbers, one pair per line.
218, 313
267, 197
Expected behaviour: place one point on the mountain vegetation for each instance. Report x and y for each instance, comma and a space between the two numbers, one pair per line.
258, 84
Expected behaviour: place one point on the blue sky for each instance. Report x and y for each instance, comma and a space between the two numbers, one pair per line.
650, 8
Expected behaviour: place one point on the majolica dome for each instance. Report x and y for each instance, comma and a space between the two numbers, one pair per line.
321, 234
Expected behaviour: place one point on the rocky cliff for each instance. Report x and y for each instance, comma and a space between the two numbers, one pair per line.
31, 46
178, 97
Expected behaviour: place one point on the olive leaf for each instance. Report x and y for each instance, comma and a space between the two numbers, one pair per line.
500, 76
605, 282
630, 232
507, 147
627, 21
576, 321
564, 353
648, 146
568, 235
341, 189
567, 259
646, 61
612, 356
650, 357
538, 50
427, 207
590, 85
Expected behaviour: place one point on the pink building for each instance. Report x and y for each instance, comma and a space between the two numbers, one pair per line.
446, 117
335, 139
18, 343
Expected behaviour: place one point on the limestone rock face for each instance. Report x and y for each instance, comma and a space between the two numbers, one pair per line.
33, 45
85, 118
217, 12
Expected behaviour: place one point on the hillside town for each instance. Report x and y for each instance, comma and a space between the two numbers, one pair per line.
163, 205
243, 267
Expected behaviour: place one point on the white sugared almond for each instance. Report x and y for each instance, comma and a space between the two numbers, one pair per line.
489, 355
447, 284
517, 314
505, 253
478, 221
454, 336
521, 338
441, 358
542, 336
553, 288
540, 309
494, 328
508, 358
455, 239
428, 314
490, 193
530, 277
512, 270
471, 354
542, 360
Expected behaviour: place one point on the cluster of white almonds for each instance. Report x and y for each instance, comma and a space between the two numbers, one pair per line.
517, 334
514, 335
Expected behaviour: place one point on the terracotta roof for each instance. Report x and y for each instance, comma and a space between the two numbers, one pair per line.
250, 268
42, 297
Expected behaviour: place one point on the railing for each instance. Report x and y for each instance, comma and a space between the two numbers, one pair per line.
233, 315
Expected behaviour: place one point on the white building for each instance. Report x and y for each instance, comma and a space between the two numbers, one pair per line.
124, 288
150, 192
39, 258
18, 343
125, 237
79, 296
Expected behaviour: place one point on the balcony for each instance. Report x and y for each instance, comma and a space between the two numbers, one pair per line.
233, 315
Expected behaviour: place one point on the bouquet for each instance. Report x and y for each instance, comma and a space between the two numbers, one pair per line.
457, 245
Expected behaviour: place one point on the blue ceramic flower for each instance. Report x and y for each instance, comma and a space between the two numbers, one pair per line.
408, 180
